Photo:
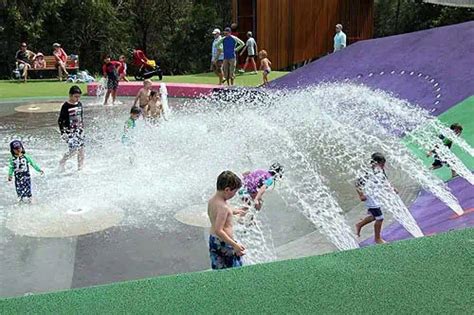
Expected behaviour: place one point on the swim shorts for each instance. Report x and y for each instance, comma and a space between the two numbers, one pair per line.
112, 84
222, 254
376, 213
75, 139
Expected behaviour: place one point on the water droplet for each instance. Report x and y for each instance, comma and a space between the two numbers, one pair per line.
393, 71
371, 74
412, 73
381, 73
402, 72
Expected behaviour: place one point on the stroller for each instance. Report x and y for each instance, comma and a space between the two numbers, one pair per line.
146, 68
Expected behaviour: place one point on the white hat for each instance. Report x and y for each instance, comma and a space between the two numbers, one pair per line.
216, 31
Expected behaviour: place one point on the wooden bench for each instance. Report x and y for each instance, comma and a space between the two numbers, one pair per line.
51, 64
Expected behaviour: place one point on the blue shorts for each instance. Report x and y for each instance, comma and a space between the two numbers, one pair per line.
376, 213
222, 254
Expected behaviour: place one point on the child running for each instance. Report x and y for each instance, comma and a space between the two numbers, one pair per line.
143, 96
373, 207
224, 251
265, 65
19, 166
438, 163
71, 126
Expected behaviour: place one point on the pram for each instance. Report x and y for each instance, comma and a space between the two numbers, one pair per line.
146, 68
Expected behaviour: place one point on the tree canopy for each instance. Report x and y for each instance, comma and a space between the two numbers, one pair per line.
177, 33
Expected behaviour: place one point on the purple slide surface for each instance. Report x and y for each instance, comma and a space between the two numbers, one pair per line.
433, 68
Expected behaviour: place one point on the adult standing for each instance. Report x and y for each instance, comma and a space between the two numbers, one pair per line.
339, 38
217, 58
230, 44
61, 59
24, 58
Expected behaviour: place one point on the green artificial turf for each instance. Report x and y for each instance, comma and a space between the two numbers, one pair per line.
430, 275
53, 88
462, 113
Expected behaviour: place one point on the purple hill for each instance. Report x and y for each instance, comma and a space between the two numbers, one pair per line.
432, 68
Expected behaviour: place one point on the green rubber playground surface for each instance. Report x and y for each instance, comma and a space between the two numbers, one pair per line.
462, 113
427, 275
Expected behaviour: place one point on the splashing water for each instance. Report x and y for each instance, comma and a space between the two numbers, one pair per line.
323, 135
164, 101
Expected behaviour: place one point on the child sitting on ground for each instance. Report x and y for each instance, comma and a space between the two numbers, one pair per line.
373, 207
224, 251
265, 65
19, 166
143, 96
438, 163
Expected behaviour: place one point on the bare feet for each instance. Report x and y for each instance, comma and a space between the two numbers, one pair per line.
380, 241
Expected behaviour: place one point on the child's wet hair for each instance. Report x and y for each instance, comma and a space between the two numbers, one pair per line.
228, 179
455, 127
378, 158
75, 90
153, 93
135, 110
147, 81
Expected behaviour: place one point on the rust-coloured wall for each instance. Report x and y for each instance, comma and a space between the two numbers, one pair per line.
293, 31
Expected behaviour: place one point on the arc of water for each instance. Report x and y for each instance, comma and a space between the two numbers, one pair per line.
456, 139
256, 235
164, 101
384, 193
101, 89
427, 138
401, 155
308, 189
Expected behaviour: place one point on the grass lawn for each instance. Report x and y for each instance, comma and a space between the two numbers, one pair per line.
52, 88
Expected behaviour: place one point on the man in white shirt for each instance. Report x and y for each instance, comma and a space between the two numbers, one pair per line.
217, 56
339, 38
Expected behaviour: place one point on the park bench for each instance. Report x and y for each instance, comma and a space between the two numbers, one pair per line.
71, 65
51, 64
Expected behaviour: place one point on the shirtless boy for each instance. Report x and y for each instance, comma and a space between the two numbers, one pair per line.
143, 96
224, 251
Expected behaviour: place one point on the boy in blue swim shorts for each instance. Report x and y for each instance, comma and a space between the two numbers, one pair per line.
224, 251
